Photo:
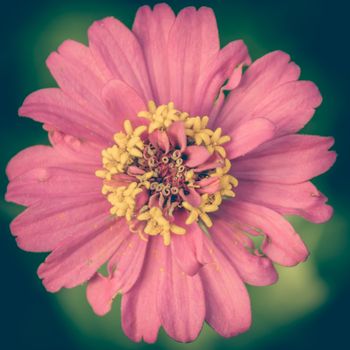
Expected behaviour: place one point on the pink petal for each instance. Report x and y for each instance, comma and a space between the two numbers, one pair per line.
254, 269
215, 75
41, 171
232, 83
100, 293
188, 249
32, 157
159, 138
193, 44
152, 30
288, 159
141, 199
124, 269
181, 302
44, 183
289, 106
209, 185
212, 162
192, 197
263, 76
177, 136
53, 107
196, 155
127, 262
67, 153
77, 74
248, 136
300, 199
77, 260
79, 53
116, 49
226, 298
123, 102
72, 149
140, 318
43, 226
283, 245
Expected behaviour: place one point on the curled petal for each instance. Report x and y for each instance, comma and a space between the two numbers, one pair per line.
282, 244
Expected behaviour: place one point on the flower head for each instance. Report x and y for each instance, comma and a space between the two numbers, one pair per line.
155, 172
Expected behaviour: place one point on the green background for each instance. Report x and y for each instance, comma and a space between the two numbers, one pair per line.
310, 305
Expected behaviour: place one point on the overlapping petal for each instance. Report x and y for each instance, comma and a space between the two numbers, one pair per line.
253, 268
200, 274
287, 160
77, 259
226, 298
281, 244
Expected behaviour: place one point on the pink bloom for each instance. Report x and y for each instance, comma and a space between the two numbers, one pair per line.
134, 184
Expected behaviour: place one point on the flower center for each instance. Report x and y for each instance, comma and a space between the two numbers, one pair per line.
173, 163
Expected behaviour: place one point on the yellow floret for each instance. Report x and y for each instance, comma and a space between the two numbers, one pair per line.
123, 200
128, 145
209, 204
157, 224
161, 117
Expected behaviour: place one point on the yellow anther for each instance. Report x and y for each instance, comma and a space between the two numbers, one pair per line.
227, 183
189, 175
196, 128
127, 146
157, 224
216, 140
209, 204
216, 135
128, 127
101, 173
162, 117
123, 200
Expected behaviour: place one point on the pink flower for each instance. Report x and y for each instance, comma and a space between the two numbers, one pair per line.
153, 171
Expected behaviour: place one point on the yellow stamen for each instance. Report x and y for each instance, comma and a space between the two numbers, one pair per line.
157, 224
144, 179
161, 117
128, 145
123, 200
209, 204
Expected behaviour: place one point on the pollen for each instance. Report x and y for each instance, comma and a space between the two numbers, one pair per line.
147, 179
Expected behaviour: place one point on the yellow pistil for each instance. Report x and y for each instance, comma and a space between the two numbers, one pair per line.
123, 200
161, 117
209, 204
157, 224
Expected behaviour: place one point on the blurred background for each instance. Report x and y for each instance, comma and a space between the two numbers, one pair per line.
310, 305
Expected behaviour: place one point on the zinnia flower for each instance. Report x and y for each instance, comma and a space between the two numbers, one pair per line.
158, 173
